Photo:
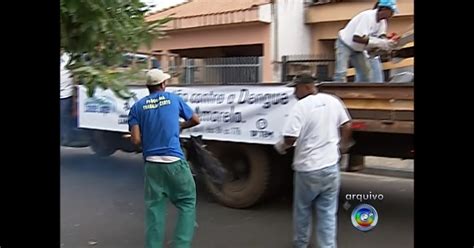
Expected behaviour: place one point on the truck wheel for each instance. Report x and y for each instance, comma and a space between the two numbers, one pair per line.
102, 143
250, 170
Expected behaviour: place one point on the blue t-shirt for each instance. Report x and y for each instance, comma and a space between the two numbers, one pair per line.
157, 115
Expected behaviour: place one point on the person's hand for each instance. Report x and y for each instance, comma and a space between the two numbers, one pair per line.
280, 147
344, 147
393, 36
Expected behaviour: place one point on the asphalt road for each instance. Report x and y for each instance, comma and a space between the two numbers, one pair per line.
102, 206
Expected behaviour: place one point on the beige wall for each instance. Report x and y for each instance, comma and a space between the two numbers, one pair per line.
344, 11
226, 35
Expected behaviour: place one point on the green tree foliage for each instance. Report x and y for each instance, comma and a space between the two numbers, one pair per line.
102, 31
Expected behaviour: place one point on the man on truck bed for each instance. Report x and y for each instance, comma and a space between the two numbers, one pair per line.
154, 123
315, 122
365, 31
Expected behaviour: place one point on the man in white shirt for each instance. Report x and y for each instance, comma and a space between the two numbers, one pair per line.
320, 125
66, 95
364, 31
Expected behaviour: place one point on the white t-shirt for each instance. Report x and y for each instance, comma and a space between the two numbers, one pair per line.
363, 24
66, 83
162, 159
315, 120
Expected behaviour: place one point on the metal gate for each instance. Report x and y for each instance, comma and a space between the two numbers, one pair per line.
226, 70
322, 66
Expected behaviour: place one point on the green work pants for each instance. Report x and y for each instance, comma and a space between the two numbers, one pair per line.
175, 182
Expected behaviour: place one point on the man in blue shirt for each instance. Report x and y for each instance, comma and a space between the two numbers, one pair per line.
154, 123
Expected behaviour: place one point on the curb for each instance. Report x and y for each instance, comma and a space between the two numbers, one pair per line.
409, 174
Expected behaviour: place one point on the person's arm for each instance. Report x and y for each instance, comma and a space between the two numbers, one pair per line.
381, 41
361, 32
290, 141
360, 39
136, 135
283, 144
291, 130
361, 36
134, 128
345, 129
382, 33
185, 112
193, 121
346, 137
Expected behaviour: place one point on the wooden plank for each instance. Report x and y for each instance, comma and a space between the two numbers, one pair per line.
370, 114
406, 38
351, 72
404, 115
388, 65
410, 44
379, 104
404, 63
397, 115
385, 91
380, 126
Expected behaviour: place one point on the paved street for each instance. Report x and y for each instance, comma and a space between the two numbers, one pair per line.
102, 206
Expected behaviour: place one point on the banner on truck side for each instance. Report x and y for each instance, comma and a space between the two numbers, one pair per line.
238, 113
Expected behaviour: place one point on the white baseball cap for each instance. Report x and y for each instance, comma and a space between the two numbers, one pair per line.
156, 76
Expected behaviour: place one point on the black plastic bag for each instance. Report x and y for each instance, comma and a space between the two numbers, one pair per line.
203, 162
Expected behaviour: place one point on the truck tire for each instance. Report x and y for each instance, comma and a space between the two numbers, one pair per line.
281, 173
251, 175
102, 143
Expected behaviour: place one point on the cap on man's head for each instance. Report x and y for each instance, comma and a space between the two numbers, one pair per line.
303, 78
391, 4
156, 76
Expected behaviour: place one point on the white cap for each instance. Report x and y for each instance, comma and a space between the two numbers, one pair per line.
156, 76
